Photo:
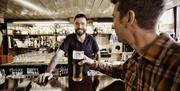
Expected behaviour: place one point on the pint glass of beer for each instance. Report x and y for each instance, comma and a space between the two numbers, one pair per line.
77, 69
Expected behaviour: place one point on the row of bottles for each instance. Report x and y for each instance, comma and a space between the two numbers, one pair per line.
37, 42
63, 71
35, 29
21, 73
33, 72
56, 28
15, 73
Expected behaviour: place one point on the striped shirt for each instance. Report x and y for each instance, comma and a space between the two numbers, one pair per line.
157, 69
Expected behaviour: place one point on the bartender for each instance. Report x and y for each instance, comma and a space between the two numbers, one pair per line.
80, 41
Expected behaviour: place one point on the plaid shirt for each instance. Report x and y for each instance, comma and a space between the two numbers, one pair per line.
158, 69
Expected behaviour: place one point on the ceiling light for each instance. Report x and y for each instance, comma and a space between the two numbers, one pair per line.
40, 22
30, 5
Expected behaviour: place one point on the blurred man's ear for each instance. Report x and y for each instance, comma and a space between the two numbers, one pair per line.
131, 16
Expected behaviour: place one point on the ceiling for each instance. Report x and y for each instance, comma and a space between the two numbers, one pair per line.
55, 9
58, 9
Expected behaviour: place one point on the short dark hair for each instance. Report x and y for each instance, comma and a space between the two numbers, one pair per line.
80, 16
147, 11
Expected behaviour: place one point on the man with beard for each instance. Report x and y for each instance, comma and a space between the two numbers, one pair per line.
80, 41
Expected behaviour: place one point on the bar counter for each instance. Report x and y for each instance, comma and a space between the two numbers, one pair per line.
89, 83
61, 82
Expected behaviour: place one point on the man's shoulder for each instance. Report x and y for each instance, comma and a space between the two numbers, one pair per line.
71, 36
90, 36
175, 46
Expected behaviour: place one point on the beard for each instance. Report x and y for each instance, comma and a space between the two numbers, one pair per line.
80, 31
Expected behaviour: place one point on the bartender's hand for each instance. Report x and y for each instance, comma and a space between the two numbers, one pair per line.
43, 78
86, 60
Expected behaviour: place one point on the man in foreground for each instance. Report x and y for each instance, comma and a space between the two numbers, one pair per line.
155, 63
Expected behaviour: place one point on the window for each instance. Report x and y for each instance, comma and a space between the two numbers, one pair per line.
166, 23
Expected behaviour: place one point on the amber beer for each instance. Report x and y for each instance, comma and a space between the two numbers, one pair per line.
77, 69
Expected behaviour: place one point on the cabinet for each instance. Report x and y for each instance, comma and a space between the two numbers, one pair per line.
20, 43
24, 38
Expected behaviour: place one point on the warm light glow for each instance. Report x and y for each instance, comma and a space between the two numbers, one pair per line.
40, 22
30, 5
